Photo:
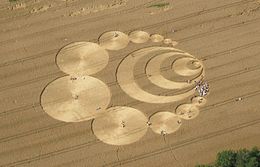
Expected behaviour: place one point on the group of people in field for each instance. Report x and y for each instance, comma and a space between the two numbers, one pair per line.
202, 88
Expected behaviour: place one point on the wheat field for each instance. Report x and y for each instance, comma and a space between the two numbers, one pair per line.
223, 34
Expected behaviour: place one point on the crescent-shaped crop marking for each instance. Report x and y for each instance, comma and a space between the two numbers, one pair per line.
125, 78
153, 72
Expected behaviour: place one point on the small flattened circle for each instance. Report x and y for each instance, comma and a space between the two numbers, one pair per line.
185, 66
174, 43
113, 40
167, 41
199, 101
195, 64
139, 36
156, 38
165, 122
187, 111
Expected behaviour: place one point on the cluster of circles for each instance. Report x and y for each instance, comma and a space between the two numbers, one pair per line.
78, 96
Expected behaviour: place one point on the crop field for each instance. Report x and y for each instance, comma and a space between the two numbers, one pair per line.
106, 83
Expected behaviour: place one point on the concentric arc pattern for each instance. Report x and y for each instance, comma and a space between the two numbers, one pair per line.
126, 80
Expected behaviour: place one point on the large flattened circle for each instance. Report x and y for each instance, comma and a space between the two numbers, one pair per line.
77, 100
120, 126
82, 58
113, 40
165, 122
